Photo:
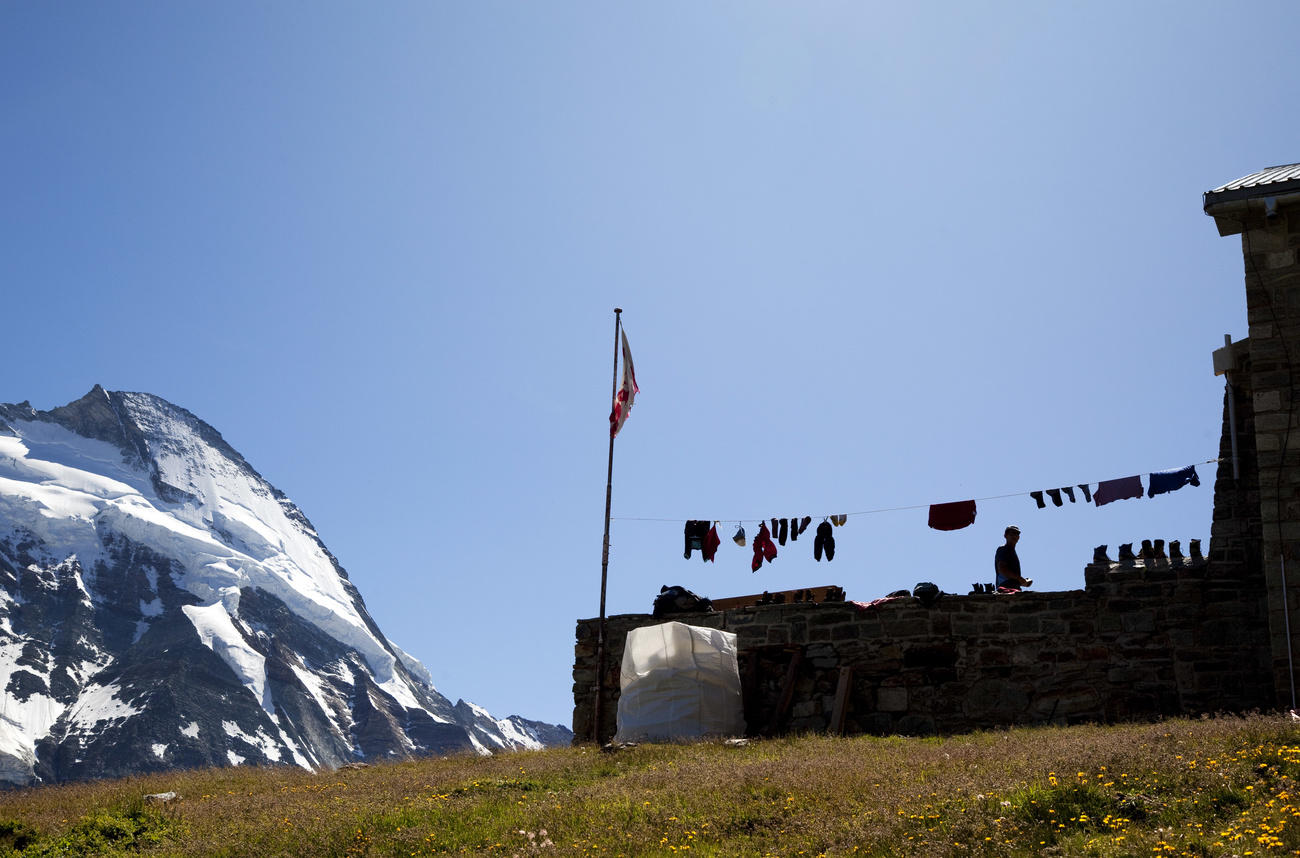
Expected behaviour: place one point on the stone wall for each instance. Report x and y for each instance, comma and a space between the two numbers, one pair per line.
1141, 640
1269, 388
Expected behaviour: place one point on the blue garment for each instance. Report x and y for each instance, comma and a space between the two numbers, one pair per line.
1006, 556
1168, 481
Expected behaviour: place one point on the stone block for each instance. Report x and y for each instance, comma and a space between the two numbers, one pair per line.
1024, 625
994, 700
806, 709
845, 632
830, 617
933, 655
916, 725
1139, 621
1054, 626
908, 627
891, 699
1267, 400
991, 655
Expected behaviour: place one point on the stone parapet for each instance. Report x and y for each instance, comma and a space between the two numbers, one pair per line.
1141, 640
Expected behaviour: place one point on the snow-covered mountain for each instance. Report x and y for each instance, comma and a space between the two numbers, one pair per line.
162, 605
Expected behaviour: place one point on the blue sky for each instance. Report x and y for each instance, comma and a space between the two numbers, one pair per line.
870, 256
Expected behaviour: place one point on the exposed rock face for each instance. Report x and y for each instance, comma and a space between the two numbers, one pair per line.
163, 606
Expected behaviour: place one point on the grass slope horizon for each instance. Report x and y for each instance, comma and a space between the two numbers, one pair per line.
1199, 787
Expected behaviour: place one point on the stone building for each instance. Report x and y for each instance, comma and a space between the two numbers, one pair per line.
1264, 209
1151, 636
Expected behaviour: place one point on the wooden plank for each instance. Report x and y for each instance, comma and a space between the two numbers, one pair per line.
841, 709
787, 596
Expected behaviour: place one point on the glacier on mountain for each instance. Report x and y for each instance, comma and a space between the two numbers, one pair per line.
163, 605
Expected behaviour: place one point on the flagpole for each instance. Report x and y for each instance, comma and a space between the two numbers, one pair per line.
604, 555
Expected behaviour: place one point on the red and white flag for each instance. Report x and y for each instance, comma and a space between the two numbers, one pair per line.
626, 394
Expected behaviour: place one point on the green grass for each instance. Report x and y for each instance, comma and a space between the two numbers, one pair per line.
1209, 787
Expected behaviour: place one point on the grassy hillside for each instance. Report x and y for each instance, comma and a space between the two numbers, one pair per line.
1186, 787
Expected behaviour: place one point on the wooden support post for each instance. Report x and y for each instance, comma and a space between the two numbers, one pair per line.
841, 709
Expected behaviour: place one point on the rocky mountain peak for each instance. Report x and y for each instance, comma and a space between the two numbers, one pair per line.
162, 605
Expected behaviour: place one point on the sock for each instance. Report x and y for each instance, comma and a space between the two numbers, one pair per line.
1038, 499
1087, 492
1055, 495
1069, 492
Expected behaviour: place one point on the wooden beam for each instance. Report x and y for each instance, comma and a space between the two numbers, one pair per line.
841, 709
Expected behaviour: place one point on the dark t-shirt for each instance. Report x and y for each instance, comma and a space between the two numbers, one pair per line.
1006, 556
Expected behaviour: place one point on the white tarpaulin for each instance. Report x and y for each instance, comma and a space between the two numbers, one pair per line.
679, 682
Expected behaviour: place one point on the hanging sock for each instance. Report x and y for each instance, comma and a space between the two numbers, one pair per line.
1038, 499
1069, 493
1055, 495
776, 528
824, 541
695, 533
804, 522
839, 520
794, 528
1087, 492
739, 538
1109, 491
784, 532
952, 516
711, 543
763, 547
1168, 481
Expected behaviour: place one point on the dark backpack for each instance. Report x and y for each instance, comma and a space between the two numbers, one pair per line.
926, 592
679, 600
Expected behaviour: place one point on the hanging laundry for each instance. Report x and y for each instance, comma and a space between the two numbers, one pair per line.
1069, 493
739, 538
952, 516
695, 532
776, 528
804, 522
1109, 491
794, 528
824, 541
1038, 499
763, 547
1087, 493
839, 520
711, 543
784, 532
1055, 495
1168, 481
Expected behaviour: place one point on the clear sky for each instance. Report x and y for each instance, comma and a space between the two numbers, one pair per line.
870, 256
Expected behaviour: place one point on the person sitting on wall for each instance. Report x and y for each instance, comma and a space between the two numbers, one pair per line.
1007, 564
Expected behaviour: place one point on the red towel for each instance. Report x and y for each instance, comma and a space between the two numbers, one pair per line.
711, 543
952, 516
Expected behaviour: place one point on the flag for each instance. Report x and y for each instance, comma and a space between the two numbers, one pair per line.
626, 394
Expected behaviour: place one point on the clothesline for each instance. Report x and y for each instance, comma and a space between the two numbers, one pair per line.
739, 520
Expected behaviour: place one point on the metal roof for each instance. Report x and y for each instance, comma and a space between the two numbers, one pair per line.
1278, 180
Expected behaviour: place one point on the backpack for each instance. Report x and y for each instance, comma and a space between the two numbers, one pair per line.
926, 592
679, 600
